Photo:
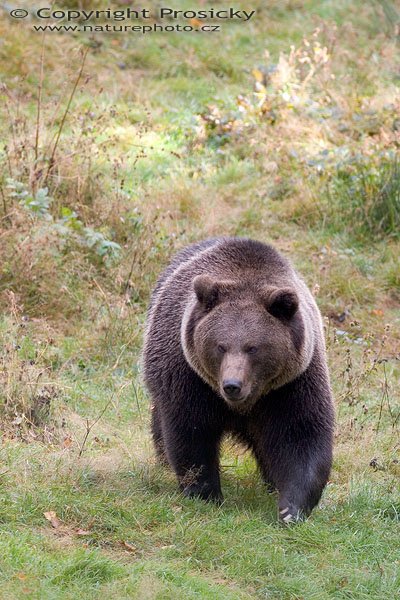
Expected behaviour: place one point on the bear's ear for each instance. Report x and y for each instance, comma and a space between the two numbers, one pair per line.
206, 290
210, 292
281, 302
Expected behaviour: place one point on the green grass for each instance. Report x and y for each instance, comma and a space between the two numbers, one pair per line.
165, 142
138, 529
368, 199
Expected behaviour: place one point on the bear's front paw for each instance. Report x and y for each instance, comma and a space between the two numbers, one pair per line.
205, 491
290, 514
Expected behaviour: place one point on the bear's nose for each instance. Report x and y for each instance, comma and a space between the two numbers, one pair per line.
232, 387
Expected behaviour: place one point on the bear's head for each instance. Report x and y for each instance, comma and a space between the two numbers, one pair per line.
244, 339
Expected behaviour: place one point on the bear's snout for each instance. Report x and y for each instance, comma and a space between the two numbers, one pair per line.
232, 388
234, 380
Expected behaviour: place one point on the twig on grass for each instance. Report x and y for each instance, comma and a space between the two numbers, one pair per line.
89, 426
39, 102
385, 399
51, 161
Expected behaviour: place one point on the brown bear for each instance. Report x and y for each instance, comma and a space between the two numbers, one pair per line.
234, 344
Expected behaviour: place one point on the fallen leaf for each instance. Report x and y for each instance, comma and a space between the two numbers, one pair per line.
129, 547
52, 517
67, 442
82, 532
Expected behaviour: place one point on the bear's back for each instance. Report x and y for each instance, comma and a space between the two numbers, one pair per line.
179, 260
239, 259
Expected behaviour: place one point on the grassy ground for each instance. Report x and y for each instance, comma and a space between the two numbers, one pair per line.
285, 129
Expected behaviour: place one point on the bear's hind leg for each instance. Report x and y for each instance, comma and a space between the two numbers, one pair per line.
265, 473
158, 438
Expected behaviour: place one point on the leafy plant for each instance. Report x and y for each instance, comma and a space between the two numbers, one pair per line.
69, 223
101, 245
37, 204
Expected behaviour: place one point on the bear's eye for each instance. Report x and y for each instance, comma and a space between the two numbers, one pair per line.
221, 349
251, 350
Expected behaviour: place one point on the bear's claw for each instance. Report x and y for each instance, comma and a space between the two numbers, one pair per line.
289, 515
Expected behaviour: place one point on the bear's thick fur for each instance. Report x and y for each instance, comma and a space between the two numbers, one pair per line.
234, 344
